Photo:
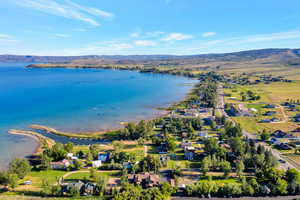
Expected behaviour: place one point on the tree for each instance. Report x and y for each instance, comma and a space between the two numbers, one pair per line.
205, 165
101, 181
265, 136
94, 150
280, 187
8, 179
69, 147
226, 168
78, 164
150, 163
19, 166
57, 152
240, 167
45, 161
211, 145
12, 180
118, 146
93, 173
171, 144
247, 188
237, 145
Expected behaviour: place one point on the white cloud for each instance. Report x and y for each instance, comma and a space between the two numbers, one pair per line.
145, 43
154, 34
135, 35
7, 39
268, 40
80, 29
62, 35
208, 34
177, 36
68, 9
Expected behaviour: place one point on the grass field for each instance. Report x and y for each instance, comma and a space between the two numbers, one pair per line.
274, 93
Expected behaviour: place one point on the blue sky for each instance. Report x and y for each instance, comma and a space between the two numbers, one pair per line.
182, 27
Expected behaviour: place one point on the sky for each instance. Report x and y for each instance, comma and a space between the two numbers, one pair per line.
140, 27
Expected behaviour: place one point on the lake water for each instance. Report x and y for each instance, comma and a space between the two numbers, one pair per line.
77, 100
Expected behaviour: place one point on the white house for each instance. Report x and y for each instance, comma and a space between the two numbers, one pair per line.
71, 156
96, 163
60, 165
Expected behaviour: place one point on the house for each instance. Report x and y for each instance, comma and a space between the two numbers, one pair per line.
269, 106
297, 118
203, 134
145, 180
240, 110
279, 134
208, 120
104, 157
77, 186
88, 189
159, 126
189, 152
265, 121
274, 141
71, 156
234, 111
164, 159
297, 130
185, 144
96, 163
64, 164
85, 189
184, 134
284, 146
191, 112
127, 165
270, 113
163, 148
297, 145
275, 119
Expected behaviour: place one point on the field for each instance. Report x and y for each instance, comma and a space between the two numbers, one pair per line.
274, 93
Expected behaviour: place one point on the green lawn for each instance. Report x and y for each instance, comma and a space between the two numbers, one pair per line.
38, 176
86, 175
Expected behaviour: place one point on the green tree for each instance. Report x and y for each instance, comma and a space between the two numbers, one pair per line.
19, 166
12, 180
265, 136
240, 167
150, 163
205, 165
69, 147
78, 164
101, 181
45, 162
226, 168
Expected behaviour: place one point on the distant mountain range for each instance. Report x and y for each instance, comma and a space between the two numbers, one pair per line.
279, 56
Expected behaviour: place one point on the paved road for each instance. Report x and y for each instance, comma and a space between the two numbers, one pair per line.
277, 154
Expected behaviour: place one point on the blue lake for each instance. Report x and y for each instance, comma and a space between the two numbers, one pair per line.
77, 100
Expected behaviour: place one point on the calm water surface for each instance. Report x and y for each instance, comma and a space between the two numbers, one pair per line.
77, 100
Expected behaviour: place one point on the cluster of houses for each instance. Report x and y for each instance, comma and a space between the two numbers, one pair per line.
145, 180
192, 112
84, 189
297, 118
70, 158
240, 111
283, 140
272, 120
270, 79
290, 106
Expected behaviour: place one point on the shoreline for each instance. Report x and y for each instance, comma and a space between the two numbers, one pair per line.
41, 140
